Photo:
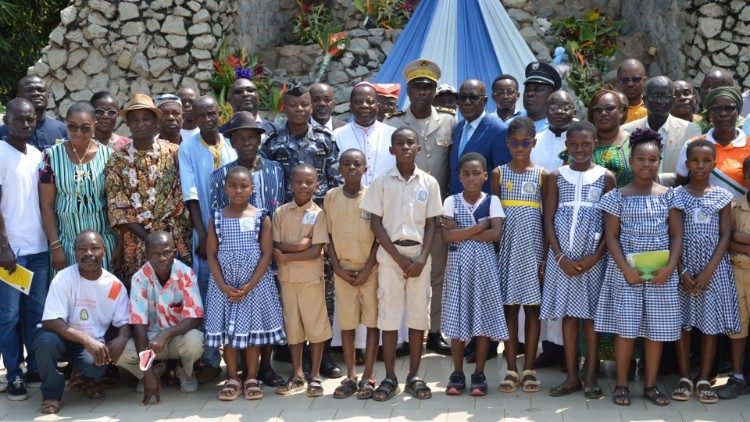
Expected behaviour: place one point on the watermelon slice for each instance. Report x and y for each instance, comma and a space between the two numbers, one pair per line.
146, 359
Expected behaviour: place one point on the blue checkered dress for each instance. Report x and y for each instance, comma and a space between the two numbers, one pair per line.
639, 310
715, 311
521, 248
579, 227
256, 320
472, 305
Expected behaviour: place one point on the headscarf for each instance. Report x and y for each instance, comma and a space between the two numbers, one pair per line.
724, 91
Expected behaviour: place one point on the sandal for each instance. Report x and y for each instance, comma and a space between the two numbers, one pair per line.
346, 389
456, 384
230, 391
386, 390
365, 388
76, 380
478, 386
529, 382
270, 377
621, 395
94, 389
508, 385
314, 387
593, 392
683, 391
706, 395
655, 396
252, 389
50, 407
418, 389
292, 386
561, 390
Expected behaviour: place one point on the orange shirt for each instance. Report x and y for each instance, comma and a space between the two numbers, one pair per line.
636, 112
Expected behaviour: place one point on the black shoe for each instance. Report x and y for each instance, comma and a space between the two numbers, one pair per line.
329, 368
16, 390
282, 354
402, 350
436, 344
547, 359
32, 380
733, 388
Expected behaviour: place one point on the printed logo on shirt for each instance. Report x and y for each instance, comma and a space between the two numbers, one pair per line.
309, 217
247, 224
594, 194
422, 195
700, 216
366, 215
83, 315
509, 186
528, 188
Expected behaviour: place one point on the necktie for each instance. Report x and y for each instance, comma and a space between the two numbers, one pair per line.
465, 138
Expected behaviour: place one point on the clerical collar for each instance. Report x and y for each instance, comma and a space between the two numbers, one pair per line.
558, 131
364, 128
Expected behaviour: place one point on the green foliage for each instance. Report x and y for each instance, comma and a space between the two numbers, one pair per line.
313, 16
387, 13
24, 30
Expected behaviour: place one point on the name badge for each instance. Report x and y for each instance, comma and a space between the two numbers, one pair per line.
247, 224
700, 216
422, 195
528, 188
309, 218
366, 215
594, 194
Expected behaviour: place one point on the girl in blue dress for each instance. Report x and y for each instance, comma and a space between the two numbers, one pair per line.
243, 311
574, 229
519, 185
640, 217
472, 305
708, 296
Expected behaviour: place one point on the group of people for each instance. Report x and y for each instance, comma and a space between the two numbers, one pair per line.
192, 241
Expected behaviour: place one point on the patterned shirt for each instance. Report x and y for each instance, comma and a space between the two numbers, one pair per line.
268, 186
164, 306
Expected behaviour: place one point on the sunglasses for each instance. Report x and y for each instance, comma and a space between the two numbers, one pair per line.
634, 79
505, 92
525, 143
717, 109
660, 98
109, 113
82, 129
473, 98
602, 109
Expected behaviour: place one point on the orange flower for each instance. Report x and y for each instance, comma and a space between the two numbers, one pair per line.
336, 44
232, 60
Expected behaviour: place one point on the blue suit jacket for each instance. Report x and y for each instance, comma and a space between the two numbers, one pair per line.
489, 139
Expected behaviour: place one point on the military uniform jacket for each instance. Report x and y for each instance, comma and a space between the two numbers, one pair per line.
316, 148
435, 140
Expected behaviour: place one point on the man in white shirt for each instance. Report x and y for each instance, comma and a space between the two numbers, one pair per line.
189, 124
22, 242
551, 142
84, 300
366, 133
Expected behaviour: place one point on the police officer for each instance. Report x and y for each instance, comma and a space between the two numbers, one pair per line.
541, 80
434, 126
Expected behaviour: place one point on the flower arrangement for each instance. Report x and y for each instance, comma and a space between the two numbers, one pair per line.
228, 67
386, 13
333, 42
272, 99
307, 23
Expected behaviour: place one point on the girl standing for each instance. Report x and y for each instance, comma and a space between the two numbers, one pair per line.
243, 311
472, 304
519, 186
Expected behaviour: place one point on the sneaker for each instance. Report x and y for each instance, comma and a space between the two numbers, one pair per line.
159, 370
733, 388
16, 390
33, 380
188, 384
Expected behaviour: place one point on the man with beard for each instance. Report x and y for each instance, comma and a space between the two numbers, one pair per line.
541, 81
171, 118
321, 96
189, 125
48, 131
631, 79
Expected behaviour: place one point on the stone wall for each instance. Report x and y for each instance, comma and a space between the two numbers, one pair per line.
130, 46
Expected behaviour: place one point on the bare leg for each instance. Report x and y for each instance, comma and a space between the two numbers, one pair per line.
296, 351
623, 355
481, 345
708, 351
737, 346
592, 351
457, 349
415, 350
570, 341
371, 351
389, 353
682, 347
652, 352
316, 350
511, 345
531, 330
230, 357
347, 344
251, 362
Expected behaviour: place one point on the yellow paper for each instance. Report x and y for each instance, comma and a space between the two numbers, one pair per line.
19, 280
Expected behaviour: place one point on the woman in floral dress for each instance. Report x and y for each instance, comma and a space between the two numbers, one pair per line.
143, 189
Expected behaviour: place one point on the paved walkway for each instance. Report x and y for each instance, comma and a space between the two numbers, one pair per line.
122, 404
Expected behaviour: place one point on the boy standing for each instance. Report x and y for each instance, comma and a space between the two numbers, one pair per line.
404, 203
299, 234
352, 250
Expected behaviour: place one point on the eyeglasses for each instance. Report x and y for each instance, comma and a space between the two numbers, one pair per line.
601, 109
729, 109
82, 129
505, 92
553, 108
109, 113
525, 143
660, 98
634, 79
471, 97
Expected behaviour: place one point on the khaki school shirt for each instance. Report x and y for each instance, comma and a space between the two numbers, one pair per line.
291, 224
349, 227
404, 205
741, 223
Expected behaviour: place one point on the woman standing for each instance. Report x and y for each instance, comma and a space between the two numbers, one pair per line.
71, 188
106, 109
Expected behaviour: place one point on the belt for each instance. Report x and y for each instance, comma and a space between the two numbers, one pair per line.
406, 243
517, 203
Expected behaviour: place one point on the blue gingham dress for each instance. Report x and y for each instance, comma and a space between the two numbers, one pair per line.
256, 320
715, 311
579, 227
639, 310
521, 248
472, 305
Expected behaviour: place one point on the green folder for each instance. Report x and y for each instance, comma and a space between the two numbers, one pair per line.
648, 262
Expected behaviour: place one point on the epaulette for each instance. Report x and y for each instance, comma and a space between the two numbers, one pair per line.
394, 114
446, 110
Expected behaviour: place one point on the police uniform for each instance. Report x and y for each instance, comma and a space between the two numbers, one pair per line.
434, 159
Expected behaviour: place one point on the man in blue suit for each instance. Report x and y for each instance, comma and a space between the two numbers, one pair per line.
479, 132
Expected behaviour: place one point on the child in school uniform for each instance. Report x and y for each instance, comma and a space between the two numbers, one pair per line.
299, 236
243, 311
574, 229
352, 250
739, 245
640, 217
472, 304
519, 185
405, 204
708, 297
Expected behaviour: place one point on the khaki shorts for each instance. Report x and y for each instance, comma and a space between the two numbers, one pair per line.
305, 316
357, 305
400, 299
742, 281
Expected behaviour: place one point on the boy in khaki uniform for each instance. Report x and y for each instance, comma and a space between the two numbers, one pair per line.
740, 247
352, 250
299, 235
404, 203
